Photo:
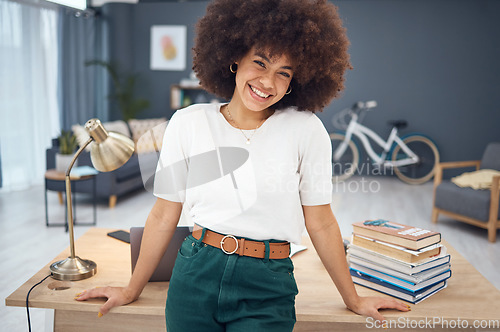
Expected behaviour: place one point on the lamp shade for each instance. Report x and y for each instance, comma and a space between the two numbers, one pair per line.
109, 150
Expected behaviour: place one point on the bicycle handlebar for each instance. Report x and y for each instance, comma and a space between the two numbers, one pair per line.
370, 104
360, 105
340, 121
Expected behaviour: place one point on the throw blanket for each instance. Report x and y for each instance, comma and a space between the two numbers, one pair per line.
481, 179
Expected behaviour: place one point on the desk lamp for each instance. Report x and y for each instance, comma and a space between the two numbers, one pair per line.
109, 150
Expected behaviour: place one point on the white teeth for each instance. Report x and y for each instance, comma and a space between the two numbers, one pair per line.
259, 93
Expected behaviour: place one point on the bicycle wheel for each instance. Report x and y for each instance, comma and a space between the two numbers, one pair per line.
428, 156
347, 163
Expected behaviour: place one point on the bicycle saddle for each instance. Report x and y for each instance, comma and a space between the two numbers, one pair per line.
399, 124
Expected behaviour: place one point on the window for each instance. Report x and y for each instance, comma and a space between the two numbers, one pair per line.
29, 115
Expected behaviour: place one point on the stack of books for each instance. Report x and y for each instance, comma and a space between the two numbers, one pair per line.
406, 262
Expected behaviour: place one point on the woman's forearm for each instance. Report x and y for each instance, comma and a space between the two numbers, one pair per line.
329, 246
327, 240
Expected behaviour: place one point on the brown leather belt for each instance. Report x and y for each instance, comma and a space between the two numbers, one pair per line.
230, 244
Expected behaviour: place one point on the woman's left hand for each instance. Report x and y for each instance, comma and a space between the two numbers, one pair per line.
369, 306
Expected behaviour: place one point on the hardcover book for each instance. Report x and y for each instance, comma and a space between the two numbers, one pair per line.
365, 256
397, 252
80, 171
389, 289
402, 235
414, 282
402, 285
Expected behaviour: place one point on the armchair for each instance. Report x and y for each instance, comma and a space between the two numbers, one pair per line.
476, 207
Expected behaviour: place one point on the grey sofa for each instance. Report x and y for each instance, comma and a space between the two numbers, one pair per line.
476, 207
109, 185
147, 135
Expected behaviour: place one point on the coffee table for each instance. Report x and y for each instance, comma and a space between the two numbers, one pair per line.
55, 181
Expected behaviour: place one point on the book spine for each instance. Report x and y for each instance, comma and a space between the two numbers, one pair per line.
382, 249
394, 252
396, 264
409, 237
175, 98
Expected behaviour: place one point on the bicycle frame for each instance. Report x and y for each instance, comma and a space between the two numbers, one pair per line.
363, 133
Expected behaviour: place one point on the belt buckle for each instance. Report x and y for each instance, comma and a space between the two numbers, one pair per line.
222, 244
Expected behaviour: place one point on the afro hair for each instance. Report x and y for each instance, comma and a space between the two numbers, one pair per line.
310, 32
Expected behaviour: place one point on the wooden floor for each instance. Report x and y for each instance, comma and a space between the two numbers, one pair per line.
27, 244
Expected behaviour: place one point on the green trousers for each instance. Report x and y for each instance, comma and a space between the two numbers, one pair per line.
212, 291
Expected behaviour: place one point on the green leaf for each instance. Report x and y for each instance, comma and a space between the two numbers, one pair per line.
67, 142
124, 91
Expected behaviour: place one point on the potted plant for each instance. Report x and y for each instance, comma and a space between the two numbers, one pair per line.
124, 91
67, 146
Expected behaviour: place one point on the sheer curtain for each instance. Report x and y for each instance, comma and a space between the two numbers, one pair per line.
29, 114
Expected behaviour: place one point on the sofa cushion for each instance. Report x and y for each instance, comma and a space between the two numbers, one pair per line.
491, 157
129, 170
147, 134
465, 201
82, 136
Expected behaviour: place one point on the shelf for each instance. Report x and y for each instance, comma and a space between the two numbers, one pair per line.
178, 95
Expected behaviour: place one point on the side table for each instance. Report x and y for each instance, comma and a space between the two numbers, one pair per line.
59, 178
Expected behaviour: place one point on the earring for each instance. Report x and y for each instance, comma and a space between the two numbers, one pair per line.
231, 68
289, 90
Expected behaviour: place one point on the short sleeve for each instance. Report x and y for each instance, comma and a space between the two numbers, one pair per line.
171, 171
315, 164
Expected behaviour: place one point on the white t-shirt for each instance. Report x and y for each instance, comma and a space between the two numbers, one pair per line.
251, 190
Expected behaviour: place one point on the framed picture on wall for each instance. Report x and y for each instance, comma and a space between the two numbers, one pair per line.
168, 47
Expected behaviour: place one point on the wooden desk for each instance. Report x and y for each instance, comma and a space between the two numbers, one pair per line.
469, 295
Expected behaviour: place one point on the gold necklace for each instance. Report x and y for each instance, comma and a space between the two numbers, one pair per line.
253, 133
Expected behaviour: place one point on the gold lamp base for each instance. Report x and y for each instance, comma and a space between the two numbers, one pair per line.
72, 269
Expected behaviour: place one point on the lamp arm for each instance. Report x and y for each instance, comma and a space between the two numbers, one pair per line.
69, 203
77, 154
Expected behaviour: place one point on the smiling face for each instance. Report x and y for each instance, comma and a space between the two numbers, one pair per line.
262, 81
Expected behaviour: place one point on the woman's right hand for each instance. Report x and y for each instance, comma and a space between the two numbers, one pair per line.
116, 296
160, 227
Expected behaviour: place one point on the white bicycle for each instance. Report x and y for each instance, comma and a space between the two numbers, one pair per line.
413, 157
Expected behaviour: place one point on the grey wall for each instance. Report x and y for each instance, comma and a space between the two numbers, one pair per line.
129, 28
434, 63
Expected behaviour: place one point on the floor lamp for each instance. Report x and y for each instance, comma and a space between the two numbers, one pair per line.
109, 151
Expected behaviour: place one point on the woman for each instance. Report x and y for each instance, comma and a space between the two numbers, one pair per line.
252, 173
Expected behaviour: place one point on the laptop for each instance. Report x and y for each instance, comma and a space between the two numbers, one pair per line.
164, 270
